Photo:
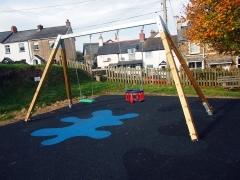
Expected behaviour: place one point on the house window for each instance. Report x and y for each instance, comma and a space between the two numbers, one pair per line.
35, 46
149, 66
195, 65
194, 49
149, 55
131, 53
21, 47
7, 49
51, 44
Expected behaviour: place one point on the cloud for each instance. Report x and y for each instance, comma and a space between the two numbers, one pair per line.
84, 15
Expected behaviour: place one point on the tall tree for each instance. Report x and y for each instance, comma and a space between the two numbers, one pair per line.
216, 23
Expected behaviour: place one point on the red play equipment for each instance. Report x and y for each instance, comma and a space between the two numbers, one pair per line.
134, 95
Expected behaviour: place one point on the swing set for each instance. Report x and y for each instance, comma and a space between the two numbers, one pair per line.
82, 99
131, 95
169, 46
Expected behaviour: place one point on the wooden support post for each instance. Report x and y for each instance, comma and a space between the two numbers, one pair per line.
45, 72
189, 74
184, 103
65, 71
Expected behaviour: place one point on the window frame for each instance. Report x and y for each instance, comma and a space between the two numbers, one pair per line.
51, 44
195, 65
194, 48
36, 45
7, 49
131, 53
21, 47
149, 55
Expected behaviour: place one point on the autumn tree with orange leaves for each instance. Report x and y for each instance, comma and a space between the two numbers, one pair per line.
216, 23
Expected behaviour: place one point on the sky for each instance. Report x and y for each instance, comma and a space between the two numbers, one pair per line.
87, 15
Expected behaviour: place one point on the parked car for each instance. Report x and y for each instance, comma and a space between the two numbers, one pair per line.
7, 60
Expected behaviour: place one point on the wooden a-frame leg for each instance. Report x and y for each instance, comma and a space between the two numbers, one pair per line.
190, 76
184, 103
66, 77
45, 72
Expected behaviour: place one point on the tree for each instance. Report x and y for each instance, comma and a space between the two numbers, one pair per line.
216, 23
79, 56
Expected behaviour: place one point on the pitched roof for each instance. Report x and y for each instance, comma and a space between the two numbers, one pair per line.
219, 60
4, 35
150, 44
51, 32
154, 44
90, 47
39, 57
121, 47
20, 36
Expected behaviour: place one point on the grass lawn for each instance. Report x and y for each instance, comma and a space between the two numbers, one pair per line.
17, 88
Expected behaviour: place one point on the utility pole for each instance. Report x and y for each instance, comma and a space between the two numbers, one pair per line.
164, 11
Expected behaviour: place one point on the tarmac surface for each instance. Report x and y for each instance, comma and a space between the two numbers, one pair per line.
114, 139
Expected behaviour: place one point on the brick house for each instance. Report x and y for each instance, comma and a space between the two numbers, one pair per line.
202, 57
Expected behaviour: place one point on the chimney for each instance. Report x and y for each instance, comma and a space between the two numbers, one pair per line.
152, 32
68, 24
179, 24
14, 29
40, 27
141, 36
100, 40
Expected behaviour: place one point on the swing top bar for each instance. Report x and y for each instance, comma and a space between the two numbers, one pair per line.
110, 28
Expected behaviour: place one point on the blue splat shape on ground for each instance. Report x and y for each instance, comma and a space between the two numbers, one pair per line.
83, 127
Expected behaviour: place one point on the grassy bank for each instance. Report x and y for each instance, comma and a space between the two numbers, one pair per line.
17, 87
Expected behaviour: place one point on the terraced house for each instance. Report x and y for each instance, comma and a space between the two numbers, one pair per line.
34, 46
140, 52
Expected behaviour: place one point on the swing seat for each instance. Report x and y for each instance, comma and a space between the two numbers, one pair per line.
86, 100
134, 95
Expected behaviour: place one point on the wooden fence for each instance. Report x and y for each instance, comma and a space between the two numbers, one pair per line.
204, 77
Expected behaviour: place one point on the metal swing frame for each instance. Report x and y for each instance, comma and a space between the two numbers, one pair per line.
169, 45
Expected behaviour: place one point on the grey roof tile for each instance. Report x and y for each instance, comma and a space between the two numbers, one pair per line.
51, 32
151, 44
93, 47
4, 35
20, 36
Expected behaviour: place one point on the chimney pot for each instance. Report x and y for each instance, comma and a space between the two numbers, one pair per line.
40, 27
141, 36
14, 29
179, 24
68, 24
152, 32
100, 40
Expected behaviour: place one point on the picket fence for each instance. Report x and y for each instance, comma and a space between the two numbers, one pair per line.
204, 77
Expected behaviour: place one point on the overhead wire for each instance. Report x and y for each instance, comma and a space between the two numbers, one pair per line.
72, 20
128, 10
46, 6
116, 21
173, 15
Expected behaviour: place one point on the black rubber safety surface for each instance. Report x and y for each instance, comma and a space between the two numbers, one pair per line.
154, 144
